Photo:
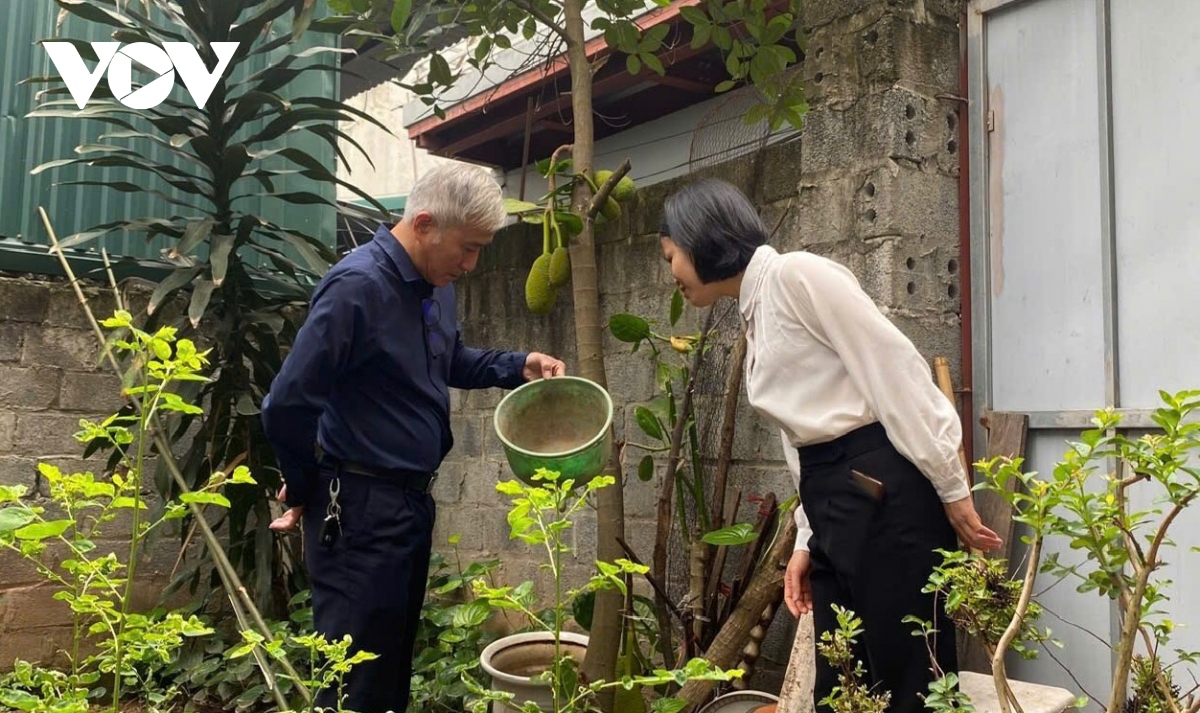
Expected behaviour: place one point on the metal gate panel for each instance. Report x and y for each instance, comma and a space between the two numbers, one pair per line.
1047, 331
1083, 623
1042, 265
1155, 76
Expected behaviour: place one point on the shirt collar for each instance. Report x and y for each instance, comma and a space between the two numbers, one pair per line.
398, 255
753, 277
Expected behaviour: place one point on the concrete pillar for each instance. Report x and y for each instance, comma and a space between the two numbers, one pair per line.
878, 187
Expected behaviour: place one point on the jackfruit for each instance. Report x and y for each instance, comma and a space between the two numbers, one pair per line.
611, 210
560, 267
624, 190
540, 295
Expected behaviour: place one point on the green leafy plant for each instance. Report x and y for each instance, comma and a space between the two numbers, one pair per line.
692, 498
95, 584
851, 694
329, 662
451, 635
209, 680
211, 175
982, 599
1086, 501
540, 515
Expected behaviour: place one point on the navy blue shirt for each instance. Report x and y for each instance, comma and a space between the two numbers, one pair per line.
368, 377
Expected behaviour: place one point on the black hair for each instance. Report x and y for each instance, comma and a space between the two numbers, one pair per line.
716, 225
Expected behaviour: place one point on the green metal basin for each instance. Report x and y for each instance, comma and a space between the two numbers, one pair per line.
562, 424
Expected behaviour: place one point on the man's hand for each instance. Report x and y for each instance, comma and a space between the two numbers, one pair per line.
971, 530
797, 593
543, 366
289, 519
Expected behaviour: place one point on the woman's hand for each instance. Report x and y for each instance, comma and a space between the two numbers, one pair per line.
797, 593
971, 530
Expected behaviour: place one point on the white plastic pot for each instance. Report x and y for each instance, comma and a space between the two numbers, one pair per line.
740, 702
512, 661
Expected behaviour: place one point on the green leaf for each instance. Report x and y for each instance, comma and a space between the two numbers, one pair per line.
201, 295
170, 284
43, 530
197, 231
241, 475
629, 328
218, 257
739, 534
649, 423
401, 9
513, 206
654, 63
128, 503
472, 614
439, 70
204, 498
725, 86
676, 306
311, 255
668, 705
646, 468
10, 493
633, 64
695, 16
14, 518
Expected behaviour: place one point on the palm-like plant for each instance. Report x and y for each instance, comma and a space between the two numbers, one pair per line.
216, 172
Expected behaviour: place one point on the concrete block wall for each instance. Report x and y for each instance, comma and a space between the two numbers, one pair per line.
48, 382
872, 184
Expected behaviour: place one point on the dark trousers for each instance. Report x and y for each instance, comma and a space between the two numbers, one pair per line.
874, 556
371, 584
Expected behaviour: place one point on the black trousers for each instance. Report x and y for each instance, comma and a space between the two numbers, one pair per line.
370, 584
874, 556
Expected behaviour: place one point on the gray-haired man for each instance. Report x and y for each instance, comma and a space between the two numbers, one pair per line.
368, 381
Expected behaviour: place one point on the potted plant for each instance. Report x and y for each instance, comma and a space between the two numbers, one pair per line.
1087, 501
539, 671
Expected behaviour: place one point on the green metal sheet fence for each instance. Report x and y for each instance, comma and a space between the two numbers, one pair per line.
26, 143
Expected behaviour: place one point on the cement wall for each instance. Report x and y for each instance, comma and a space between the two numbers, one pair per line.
48, 382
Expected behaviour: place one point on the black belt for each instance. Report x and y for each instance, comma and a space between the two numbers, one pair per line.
861, 440
407, 479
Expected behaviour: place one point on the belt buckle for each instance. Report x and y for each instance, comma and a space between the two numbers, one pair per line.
432, 479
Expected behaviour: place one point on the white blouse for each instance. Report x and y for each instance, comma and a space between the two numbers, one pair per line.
822, 360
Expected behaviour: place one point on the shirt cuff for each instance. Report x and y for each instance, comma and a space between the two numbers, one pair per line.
300, 485
803, 535
952, 485
515, 371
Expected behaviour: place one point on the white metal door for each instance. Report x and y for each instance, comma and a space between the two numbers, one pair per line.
1085, 248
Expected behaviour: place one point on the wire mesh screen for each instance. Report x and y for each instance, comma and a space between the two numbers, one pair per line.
723, 134
711, 382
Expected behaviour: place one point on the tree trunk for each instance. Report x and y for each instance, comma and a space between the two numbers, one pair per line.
764, 588
600, 663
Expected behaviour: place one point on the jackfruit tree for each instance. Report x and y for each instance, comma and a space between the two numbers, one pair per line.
755, 39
